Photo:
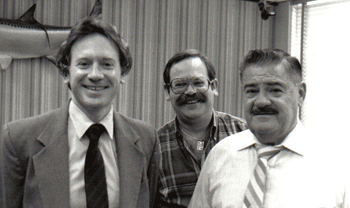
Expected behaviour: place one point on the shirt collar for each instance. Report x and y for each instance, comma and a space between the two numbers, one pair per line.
294, 140
82, 122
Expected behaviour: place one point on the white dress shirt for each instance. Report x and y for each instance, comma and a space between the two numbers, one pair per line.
78, 144
302, 175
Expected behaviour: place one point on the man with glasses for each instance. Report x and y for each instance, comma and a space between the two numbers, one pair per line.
185, 141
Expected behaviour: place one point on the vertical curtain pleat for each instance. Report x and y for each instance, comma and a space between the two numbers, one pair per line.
223, 30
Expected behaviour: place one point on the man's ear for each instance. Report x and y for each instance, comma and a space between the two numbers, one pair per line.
214, 87
301, 93
122, 79
167, 92
66, 78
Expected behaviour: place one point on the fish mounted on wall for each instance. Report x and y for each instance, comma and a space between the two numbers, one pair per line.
27, 38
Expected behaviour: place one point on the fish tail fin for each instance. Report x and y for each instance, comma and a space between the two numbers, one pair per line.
96, 10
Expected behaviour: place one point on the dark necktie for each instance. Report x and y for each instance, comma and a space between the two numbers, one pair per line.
254, 196
94, 170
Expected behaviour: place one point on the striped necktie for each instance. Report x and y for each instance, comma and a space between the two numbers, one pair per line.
94, 170
254, 196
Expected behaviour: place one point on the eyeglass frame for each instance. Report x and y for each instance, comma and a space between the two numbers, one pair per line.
169, 85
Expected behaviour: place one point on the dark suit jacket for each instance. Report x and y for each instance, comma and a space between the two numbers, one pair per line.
34, 161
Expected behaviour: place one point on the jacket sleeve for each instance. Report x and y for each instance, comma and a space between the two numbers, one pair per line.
12, 174
152, 172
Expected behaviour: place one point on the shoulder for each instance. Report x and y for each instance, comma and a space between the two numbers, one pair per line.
169, 126
228, 119
167, 130
228, 124
230, 150
136, 123
231, 118
144, 130
231, 143
22, 135
31, 125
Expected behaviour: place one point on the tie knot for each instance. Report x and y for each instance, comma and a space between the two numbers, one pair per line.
267, 151
94, 131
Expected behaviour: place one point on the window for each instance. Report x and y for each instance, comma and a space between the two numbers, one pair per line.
320, 40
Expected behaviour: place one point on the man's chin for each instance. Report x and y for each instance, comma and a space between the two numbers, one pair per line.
193, 112
191, 106
264, 118
264, 126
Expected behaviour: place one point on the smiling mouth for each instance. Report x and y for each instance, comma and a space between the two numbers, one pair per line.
95, 88
191, 101
265, 114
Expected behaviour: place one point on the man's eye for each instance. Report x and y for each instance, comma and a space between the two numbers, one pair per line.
198, 83
108, 64
83, 64
180, 84
251, 92
276, 90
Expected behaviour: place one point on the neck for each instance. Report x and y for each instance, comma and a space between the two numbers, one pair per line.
95, 114
271, 140
196, 127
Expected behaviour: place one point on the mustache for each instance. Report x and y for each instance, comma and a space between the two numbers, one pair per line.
184, 99
264, 111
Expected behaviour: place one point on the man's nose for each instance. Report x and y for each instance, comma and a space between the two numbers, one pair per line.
190, 89
95, 73
262, 100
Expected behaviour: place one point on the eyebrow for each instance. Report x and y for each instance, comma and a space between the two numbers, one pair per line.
249, 85
108, 59
89, 58
269, 84
275, 83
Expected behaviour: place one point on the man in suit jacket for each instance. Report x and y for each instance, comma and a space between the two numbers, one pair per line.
43, 158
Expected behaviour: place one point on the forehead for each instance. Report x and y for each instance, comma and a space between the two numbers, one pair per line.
189, 67
266, 74
94, 45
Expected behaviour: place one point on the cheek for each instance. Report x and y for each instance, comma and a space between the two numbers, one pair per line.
75, 75
113, 78
248, 103
173, 99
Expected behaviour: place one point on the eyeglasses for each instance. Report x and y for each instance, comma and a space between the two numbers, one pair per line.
200, 84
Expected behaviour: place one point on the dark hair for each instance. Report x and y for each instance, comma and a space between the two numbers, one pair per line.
189, 53
269, 56
89, 26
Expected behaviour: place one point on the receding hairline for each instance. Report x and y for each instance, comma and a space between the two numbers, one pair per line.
294, 76
287, 64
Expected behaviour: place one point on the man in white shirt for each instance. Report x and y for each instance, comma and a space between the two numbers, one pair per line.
276, 163
84, 154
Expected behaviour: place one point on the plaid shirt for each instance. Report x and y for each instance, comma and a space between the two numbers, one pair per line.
179, 170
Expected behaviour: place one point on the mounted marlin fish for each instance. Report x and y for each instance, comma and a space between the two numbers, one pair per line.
27, 38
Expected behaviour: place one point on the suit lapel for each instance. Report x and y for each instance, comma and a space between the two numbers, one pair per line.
51, 163
130, 162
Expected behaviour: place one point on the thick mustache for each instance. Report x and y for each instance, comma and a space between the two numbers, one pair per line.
184, 99
264, 111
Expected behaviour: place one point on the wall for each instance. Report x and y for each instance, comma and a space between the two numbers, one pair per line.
224, 30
